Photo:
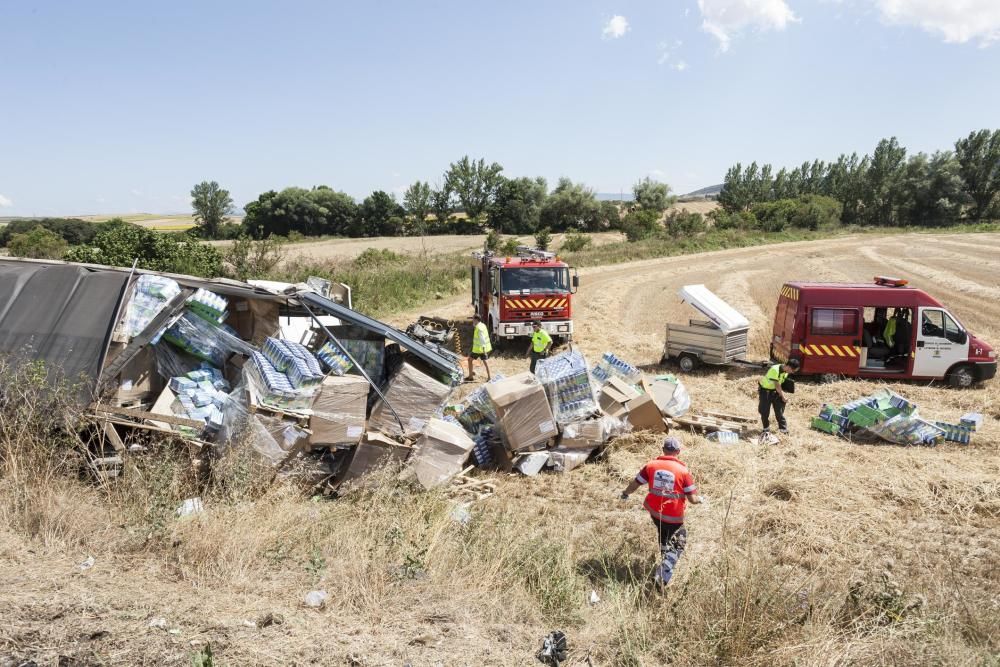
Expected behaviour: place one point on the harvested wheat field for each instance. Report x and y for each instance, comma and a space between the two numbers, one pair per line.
816, 551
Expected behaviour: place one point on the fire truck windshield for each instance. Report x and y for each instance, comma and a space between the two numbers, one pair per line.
535, 280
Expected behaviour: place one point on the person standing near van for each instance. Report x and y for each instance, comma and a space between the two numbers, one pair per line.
541, 343
771, 395
481, 346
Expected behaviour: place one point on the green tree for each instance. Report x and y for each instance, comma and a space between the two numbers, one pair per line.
73, 230
738, 188
251, 259
337, 213
120, 243
39, 243
474, 183
884, 178
684, 223
640, 224
932, 190
517, 205
543, 237
381, 215
571, 206
651, 195
417, 200
979, 165
321, 210
608, 215
211, 205
443, 206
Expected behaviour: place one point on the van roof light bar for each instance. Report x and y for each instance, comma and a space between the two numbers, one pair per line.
887, 281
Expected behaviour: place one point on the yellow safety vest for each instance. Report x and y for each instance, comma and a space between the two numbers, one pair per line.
540, 340
890, 331
773, 377
481, 340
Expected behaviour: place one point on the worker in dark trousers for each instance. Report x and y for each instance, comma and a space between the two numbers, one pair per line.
770, 394
541, 343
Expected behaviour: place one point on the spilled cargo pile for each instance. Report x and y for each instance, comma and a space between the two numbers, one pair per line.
890, 417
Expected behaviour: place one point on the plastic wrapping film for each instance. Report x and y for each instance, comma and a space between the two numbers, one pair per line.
906, 429
611, 366
567, 384
414, 395
370, 355
670, 395
270, 438
150, 296
301, 368
270, 392
564, 460
338, 411
592, 433
477, 409
439, 453
172, 362
334, 358
523, 413
198, 337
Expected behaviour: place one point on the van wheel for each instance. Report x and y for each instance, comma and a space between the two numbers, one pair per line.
962, 377
829, 378
687, 362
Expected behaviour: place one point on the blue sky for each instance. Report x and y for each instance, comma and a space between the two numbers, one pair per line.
123, 106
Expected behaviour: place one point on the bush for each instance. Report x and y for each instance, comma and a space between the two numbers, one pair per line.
509, 246
723, 220
74, 231
575, 241
121, 243
640, 224
492, 240
248, 259
39, 243
806, 212
543, 237
684, 223
376, 257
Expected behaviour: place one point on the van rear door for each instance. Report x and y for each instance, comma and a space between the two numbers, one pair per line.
832, 340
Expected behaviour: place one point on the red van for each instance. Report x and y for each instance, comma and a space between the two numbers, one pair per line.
883, 330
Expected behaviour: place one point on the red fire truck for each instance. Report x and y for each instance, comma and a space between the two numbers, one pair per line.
509, 291
838, 329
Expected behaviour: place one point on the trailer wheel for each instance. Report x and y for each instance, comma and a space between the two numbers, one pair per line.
962, 376
687, 362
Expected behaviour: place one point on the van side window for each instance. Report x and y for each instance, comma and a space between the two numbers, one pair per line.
834, 322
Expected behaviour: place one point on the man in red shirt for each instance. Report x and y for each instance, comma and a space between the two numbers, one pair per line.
670, 485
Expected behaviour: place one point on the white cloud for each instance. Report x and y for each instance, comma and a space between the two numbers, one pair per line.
616, 27
957, 21
680, 66
5, 203
136, 192
724, 19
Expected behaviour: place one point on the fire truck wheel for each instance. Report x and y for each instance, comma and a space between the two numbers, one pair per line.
687, 362
962, 376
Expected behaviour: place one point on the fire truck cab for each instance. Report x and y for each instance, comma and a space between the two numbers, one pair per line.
844, 330
509, 291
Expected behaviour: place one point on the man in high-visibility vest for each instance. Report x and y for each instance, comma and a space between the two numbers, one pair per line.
541, 343
771, 395
481, 346
670, 485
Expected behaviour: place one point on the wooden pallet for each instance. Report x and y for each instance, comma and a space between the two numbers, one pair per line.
728, 417
704, 423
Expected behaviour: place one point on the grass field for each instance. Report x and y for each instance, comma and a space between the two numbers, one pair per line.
816, 551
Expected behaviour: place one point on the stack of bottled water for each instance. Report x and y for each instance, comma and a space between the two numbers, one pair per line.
611, 366
334, 358
209, 305
151, 295
567, 384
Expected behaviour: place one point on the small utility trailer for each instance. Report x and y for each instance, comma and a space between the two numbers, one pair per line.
721, 339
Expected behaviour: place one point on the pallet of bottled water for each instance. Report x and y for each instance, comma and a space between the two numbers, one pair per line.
566, 379
611, 366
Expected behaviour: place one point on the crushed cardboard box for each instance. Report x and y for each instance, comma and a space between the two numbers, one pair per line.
439, 454
523, 412
562, 459
373, 452
415, 396
338, 417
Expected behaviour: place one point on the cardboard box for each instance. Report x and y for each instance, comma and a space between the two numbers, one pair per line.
615, 396
338, 417
562, 459
583, 435
414, 395
439, 454
375, 451
523, 413
645, 415
139, 379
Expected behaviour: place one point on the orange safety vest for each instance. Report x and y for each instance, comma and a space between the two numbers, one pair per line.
669, 483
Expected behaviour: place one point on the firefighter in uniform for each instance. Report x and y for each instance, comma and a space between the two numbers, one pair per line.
670, 484
541, 343
481, 346
770, 394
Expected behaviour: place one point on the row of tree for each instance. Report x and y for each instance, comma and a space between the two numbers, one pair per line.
886, 188
473, 196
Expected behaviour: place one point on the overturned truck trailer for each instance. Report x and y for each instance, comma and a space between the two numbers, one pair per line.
291, 369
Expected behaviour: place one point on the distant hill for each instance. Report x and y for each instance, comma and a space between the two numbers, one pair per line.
710, 191
614, 196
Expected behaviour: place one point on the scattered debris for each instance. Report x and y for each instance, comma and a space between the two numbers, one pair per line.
724, 437
888, 416
268, 619
555, 649
87, 564
316, 599
594, 597
190, 506
158, 623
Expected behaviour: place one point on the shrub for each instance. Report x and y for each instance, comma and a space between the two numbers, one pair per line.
684, 223
39, 243
509, 246
121, 243
543, 237
575, 241
249, 259
376, 257
723, 220
74, 231
492, 240
639, 224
